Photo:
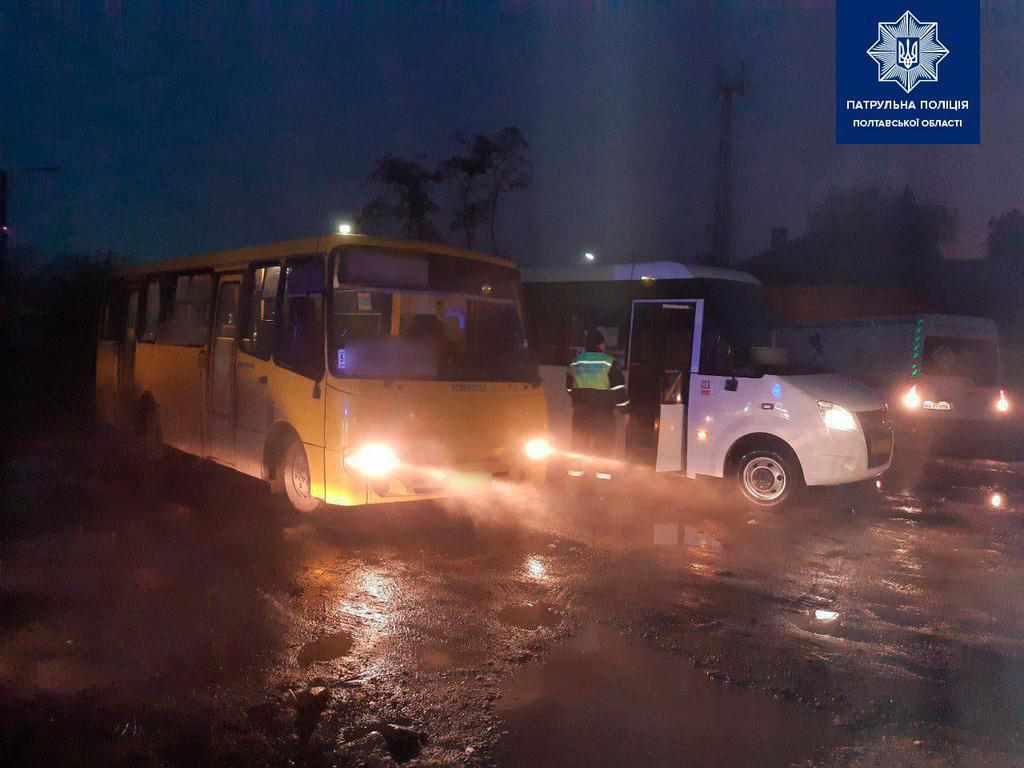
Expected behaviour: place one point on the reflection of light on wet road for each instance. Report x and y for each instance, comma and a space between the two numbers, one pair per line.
825, 616
536, 569
376, 585
371, 605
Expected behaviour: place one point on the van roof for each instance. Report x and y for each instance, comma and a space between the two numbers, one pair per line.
658, 270
239, 257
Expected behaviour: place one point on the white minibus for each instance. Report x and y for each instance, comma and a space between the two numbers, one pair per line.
711, 393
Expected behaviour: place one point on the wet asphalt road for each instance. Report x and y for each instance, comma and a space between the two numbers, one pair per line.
180, 616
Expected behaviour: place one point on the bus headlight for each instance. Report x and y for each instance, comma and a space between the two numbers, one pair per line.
1002, 404
911, 398
373, 460
836, 417
537, 449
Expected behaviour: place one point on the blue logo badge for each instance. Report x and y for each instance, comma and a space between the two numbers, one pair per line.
908, 76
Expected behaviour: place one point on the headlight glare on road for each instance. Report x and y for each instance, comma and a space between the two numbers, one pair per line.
373, 460
537, 449
836, 417
911, 398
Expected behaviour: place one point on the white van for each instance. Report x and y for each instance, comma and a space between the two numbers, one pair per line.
711, 392
935, 369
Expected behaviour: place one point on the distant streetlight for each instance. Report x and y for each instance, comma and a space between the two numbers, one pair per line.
588, 256
344, 228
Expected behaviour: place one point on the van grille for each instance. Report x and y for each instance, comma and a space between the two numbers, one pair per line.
878, 436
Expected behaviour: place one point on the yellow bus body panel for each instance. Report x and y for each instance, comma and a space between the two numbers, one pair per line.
106, 382
173, 377
469, 431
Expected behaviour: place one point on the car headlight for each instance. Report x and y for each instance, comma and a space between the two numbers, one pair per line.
537, 449
373, 460
836, 417
911, 398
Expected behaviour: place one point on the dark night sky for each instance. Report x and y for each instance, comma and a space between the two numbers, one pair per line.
188, 130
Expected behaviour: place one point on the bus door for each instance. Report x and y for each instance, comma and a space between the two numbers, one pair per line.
126, 358
220, 433
663, 350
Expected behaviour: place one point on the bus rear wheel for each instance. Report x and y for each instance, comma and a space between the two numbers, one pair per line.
768, 478
293, 471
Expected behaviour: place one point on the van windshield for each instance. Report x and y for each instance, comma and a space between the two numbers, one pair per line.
975, 359
741, 338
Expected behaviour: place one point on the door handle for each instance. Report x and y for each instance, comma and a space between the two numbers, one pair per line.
262, 379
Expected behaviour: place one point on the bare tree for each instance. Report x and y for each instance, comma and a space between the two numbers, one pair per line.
509, 170
467, 173
484, 169
404, 197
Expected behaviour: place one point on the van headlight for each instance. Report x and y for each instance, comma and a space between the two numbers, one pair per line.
373, 460
537, 449
836, 417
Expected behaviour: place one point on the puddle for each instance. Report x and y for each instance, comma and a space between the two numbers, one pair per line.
325, 648
602, 701
434, 658
529, 616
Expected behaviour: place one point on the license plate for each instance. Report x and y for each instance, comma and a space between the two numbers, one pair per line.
937, 405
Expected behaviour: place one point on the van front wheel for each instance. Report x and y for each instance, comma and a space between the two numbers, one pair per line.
293, 471
768, 478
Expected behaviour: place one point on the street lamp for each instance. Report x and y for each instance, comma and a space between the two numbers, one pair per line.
589, 257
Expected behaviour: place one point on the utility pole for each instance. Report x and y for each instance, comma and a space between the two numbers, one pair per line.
722, 226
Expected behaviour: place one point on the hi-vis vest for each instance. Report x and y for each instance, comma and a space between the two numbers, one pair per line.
590, 370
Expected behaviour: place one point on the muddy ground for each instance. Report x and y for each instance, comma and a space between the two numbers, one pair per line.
179, 615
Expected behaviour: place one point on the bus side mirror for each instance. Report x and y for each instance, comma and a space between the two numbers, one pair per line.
731, 384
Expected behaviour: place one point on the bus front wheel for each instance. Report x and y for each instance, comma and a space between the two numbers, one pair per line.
293, 471
768, 478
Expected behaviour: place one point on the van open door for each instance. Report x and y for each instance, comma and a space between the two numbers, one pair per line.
664, 350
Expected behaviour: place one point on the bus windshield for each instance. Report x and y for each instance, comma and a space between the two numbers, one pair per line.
400, 333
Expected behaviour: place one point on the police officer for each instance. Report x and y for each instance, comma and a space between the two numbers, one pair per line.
596, 385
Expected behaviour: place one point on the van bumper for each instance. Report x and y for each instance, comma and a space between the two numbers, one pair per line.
844, 461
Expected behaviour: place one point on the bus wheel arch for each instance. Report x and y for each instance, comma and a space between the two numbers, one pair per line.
284, 456
765, 468
273, 451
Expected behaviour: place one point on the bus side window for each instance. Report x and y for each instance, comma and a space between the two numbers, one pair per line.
152, 314
260, 331
300, 343
186, 307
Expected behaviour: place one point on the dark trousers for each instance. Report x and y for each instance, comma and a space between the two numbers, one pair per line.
593, 429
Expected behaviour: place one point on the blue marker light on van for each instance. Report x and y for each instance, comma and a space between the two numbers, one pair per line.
341, 359
776, 390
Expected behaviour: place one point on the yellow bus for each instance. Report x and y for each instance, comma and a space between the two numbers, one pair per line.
342, 369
